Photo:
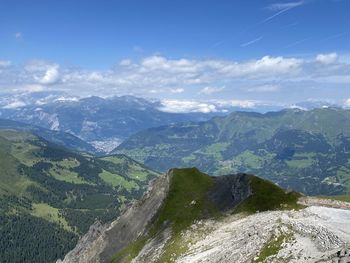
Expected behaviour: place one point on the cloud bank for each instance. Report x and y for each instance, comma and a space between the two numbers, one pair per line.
267, 78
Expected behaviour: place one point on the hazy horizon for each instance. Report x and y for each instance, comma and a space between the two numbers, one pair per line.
243, 53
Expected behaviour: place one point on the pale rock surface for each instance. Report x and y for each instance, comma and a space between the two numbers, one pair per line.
317, 234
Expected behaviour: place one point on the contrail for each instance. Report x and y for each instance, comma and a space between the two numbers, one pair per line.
251, 42
275, 15
297, 42
336, 36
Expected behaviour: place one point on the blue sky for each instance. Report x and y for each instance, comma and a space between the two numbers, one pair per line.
249, 50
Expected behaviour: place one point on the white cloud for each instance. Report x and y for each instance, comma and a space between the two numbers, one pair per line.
185, 106
347, 103
158, 74
43, 72
327, 58
182, 106
276, 65
175, 66
160, 77
15, 104
237, 103
297, 107
266, 65
51, 75
262, 68
5, 63
210, 90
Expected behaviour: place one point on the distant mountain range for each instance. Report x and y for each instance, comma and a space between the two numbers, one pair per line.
102, 122
49, 196
308, 151
106, 122
296, 148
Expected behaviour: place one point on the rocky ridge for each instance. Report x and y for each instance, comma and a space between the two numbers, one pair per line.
101, 242
317, 233
314, 234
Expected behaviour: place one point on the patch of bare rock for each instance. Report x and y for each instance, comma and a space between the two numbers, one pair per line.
314, 234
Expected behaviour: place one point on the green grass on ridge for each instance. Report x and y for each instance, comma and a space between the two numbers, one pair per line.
186, 202
268, 196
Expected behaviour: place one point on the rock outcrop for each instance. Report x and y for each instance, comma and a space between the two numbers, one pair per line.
230, 190
313, 234
102, 242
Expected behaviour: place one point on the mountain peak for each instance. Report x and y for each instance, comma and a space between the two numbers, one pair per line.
173, 203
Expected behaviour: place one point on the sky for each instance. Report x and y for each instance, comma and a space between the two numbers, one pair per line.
245, 52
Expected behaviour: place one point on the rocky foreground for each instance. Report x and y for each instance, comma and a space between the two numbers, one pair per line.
320, 232
314, 234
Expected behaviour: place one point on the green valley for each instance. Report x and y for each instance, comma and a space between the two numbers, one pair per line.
49, 196
308, 151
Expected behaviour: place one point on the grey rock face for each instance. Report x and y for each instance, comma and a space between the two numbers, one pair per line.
230, 190
101, 243
152, 251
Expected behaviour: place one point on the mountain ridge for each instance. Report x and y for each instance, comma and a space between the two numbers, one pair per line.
67, 140
294, 148
97, 120
169, 207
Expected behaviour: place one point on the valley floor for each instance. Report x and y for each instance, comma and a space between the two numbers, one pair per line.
314, 234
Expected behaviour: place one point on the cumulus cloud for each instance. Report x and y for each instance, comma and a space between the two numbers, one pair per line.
275, 65
184, 106
266, 65
161, 77
43, 72
327, 58
51, 75
158, 74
